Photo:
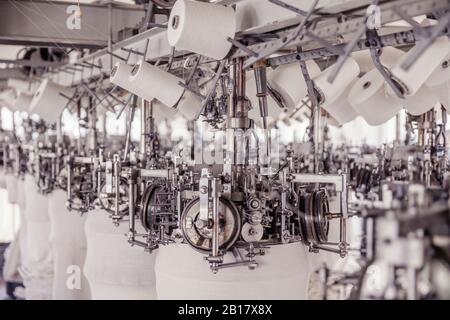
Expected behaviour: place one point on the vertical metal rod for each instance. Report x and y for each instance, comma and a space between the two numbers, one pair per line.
145, 112
129, 124
215, 203
131, 209
117, 186
397, 129
110, 33
69, 186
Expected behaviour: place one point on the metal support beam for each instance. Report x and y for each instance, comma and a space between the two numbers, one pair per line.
48, 23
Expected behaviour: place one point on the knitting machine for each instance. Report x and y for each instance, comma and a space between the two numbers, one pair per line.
230, 185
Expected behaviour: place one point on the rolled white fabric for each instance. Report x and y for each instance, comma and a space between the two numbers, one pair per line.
114, 269
48, 103
68, 243
120, 75
370, 99
413, 79
182, 273
329, 92
201, 28
149, 82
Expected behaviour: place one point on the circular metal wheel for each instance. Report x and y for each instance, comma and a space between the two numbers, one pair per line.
199, 235
154, 200
314, 224
109, 203
321, 222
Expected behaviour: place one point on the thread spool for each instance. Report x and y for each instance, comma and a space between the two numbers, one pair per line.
149, 82
329, 92
369, 98
120, 75
441, 74
388, 57
423, 101
202, 28
288, 80
413, 79
341, 110
48, 103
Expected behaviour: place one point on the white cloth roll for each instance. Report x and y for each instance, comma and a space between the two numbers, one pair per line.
149, 82
423, 101
413, 79
120, 75
182, 273
68, 242
341, 110
370, 100
48, 103
329, 92
114, 269
201, 28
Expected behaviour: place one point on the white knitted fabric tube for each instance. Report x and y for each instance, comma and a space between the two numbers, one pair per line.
114, 269
68, 245
37, 270
182, 273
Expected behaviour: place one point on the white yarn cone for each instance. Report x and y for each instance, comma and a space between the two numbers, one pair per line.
114, 269
182, 273
68, 243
